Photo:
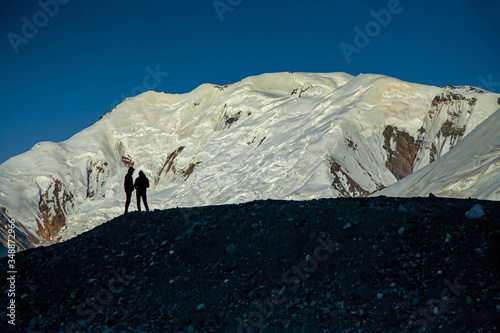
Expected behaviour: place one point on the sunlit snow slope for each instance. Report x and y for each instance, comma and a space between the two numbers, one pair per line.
280, 136
471, 169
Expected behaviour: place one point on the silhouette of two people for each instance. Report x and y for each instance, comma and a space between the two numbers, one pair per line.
140, 186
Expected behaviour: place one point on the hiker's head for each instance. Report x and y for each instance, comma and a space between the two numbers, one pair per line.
131, 170
141, 173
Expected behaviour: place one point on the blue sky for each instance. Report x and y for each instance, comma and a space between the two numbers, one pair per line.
84, 56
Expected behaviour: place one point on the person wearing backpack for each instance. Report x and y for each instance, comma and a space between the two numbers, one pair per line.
141, 184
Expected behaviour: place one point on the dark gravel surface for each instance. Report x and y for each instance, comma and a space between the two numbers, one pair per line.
336, 265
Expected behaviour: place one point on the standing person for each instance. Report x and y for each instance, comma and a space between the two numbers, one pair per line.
129, 187
141, 184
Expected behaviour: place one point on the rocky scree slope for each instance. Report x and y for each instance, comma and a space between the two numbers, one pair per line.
383, 265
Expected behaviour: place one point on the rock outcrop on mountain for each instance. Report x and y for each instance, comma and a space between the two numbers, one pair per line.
274, 136
471, 169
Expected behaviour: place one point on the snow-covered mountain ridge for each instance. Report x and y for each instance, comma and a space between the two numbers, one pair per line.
273, 136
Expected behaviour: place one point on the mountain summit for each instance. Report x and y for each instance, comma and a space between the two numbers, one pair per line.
293, 136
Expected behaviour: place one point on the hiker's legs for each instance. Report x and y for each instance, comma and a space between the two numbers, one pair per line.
138, 202
127, 202
145, 202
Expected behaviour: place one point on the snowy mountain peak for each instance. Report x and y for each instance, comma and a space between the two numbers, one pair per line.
280, 136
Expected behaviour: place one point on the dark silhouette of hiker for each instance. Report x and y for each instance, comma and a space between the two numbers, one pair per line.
129, 187
141, 184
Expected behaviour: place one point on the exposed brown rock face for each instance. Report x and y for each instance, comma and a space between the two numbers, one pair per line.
170, 165
229, 118
54, 204
261, 141
433, 153
104, 115
449, 96
351, 144
400, 161
447, 99
186, 173
467, 88
457, 107
96, 177
253, 140
447, 129
127, 161
343, 183
24, 239
450, 111
301, 92
221, 88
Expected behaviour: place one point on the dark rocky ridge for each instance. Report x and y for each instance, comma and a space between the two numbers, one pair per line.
373, 265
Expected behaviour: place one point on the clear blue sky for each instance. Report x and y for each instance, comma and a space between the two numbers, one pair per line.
86, 55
